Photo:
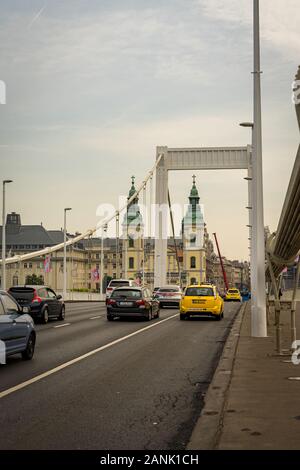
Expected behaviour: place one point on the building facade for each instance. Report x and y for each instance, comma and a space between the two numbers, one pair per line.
190, 258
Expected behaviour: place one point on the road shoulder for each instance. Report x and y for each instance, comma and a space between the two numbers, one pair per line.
207, 430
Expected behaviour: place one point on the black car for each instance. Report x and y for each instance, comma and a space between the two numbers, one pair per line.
43, 302
132, 302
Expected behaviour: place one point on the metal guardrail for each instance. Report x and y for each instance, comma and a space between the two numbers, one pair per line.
283, 246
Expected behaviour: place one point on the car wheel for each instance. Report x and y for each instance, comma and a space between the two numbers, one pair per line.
27, 355
62, 314
109, 318
45, 317
218, 317
182, 317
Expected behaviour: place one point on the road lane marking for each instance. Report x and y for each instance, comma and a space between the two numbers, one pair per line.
94, 318
61, 326
37, 378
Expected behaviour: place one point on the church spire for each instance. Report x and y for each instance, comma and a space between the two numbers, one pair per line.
133, 215
133, 191
194, 195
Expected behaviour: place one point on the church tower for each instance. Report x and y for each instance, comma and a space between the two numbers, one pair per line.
132, 235
194, 259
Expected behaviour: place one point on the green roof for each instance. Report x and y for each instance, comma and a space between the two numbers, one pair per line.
133, 215
194, 215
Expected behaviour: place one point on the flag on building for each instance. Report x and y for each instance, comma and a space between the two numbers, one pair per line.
47, 264
95, 275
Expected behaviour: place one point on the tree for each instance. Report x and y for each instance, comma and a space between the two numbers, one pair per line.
34, 280
106, 280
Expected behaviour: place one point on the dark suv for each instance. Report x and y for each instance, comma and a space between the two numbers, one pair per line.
132, 302
44, 304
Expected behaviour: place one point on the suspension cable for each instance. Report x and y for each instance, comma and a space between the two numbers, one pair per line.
143, 233
173, 234
86, 234
117, 243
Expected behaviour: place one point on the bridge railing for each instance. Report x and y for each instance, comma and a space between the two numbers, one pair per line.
283, 246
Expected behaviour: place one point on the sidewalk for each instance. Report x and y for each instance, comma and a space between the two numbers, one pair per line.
251, 403
262, 408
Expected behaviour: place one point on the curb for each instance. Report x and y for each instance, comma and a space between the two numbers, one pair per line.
208, 427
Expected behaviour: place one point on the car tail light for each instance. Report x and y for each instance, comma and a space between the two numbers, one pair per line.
36, 298
110, 302
140, 303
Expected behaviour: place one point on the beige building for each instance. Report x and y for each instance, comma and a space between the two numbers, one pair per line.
190, 258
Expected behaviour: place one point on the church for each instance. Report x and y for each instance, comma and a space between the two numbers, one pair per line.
186, 255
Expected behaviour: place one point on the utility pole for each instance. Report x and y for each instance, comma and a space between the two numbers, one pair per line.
65, 252
259, 320
104, 229
3, 281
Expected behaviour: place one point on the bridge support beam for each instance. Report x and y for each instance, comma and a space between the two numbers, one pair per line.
161, 219
213, 158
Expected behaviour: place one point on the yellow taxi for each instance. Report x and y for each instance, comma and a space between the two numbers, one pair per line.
233, 295
203, 300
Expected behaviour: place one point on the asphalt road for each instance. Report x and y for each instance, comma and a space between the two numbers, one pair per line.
140, 384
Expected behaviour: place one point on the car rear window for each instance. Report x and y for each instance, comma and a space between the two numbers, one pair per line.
118, 283
126, 293
199, 292
22, 294
233, 291
42, 293
169, 289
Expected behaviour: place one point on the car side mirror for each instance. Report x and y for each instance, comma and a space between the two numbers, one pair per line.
25, 309
59, 297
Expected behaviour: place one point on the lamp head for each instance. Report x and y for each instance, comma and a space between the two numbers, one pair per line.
247, 124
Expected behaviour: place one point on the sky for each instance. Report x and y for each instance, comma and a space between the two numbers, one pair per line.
93, 86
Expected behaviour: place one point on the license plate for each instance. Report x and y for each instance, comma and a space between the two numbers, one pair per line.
198, 301
126, 304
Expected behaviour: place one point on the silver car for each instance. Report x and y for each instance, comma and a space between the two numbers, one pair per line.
17, 332
169, 296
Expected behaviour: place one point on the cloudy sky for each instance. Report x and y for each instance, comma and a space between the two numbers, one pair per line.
93, 86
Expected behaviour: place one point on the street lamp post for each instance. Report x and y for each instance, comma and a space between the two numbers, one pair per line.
259, 317
258, 303
65, 251
252, 246
3, 282
104, 229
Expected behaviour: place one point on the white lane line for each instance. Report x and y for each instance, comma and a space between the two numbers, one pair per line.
61, 326
79, 358
94, 318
